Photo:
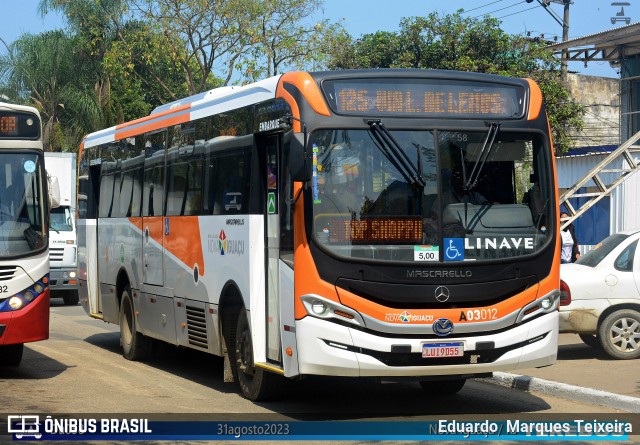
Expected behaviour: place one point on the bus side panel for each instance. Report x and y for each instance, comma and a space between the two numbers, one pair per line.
88, 266
119, 250
288, 321
233, 253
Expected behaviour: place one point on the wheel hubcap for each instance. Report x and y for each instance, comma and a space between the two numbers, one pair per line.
625, 335
246, 354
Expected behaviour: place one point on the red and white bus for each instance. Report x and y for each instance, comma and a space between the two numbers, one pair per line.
24, 226
380, 223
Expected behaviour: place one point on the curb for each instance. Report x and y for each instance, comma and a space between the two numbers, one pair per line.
566, 391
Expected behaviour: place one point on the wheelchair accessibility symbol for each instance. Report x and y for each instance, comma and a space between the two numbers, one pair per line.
454, 249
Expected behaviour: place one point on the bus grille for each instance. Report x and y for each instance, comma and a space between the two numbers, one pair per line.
7, 272
197, 327
56, 253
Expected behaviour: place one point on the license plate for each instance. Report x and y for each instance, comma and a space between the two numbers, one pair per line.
438, 350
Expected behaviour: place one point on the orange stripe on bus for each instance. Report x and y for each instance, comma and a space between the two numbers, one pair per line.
151, 126
155, 225
307, 280
183, 241
136, 221
535, 100
153, 116
309, 89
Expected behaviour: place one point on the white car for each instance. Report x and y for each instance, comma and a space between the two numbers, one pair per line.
600, 296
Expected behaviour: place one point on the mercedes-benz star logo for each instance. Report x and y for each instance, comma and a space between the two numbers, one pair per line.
442, 293
443, 327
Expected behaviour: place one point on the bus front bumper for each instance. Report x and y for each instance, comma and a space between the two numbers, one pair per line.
64, 279
327, 348
28, 324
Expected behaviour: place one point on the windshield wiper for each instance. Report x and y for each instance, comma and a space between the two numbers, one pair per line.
485, 151
394, 152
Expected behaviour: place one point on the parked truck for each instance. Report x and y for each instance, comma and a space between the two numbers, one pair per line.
63, 247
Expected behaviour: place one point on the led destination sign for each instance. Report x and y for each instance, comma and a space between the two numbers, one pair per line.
429, 97
17, 125
375, 230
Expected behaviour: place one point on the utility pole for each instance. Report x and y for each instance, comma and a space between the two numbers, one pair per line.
564, 22
565, 37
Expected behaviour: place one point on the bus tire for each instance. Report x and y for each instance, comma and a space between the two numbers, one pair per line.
256, 383
11, 355
71, 298
442, 387
135, 346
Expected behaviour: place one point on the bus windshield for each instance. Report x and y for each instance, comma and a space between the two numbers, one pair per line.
21, 204
430, 195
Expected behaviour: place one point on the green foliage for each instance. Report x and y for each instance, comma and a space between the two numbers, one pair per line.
453, 42
42, 70
281, 40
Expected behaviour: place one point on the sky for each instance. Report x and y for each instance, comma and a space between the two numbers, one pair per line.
368, 16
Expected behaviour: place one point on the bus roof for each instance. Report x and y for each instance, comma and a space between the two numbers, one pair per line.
190, 108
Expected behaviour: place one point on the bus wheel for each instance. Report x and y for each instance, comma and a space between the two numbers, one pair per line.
71, 298
256, 383
11, 355
135, 346
442, 387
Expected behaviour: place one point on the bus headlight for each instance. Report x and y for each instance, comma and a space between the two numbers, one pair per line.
542, 305
323, 308
318, 307
72, 274
39, 288
28, 296
15, 303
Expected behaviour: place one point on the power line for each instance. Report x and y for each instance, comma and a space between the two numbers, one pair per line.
483, 6
519, 12
501, 9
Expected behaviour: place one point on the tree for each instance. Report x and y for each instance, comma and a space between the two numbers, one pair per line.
282, 39
453, 42
203, 36
43, 70
132, 70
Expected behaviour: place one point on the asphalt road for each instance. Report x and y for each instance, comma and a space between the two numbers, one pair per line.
80, 370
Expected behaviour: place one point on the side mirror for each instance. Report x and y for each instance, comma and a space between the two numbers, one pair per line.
299, 159
54, 191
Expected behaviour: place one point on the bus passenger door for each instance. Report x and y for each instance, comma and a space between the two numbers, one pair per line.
271, 146
153, 221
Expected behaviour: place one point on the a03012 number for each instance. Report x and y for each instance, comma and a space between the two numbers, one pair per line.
479, 314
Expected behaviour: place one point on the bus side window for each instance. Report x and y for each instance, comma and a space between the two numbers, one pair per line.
175, 194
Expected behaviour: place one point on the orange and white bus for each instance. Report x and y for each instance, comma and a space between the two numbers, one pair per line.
380, 223
24, 230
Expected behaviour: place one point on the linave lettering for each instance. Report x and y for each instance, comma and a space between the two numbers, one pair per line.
498, 243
